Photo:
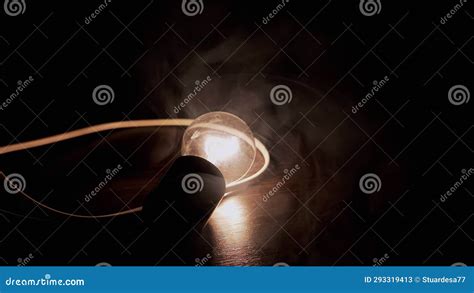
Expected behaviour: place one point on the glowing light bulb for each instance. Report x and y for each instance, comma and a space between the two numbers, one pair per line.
223, 139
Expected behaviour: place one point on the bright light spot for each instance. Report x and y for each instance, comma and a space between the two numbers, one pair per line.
221, 149
231, 223
230, 211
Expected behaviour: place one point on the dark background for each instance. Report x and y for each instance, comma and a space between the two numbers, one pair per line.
327, 52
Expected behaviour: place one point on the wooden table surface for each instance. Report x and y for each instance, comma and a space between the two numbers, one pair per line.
308, 220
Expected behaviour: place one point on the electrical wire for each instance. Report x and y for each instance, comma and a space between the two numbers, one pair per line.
113, 126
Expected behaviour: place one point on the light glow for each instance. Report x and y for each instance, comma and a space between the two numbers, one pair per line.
221, 149
231, 211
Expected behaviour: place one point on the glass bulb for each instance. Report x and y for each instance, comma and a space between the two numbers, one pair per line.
224, 140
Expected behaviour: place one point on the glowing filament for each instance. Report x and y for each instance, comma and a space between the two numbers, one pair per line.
221, 149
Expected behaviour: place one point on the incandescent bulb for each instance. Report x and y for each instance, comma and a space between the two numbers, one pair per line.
223, 139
